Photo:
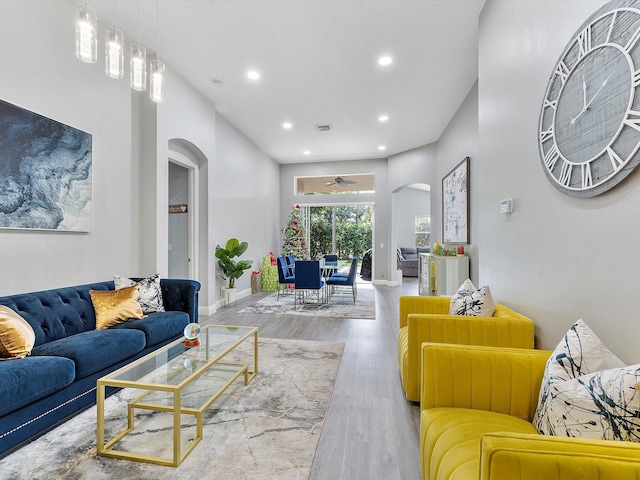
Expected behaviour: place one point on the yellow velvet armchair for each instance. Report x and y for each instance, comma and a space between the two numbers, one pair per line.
427, 319
477, 404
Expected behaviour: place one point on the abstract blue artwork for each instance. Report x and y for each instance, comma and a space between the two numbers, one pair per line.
45, 172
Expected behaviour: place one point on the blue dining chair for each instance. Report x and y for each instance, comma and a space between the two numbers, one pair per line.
331, 259
308, 280
339, 280
285, 276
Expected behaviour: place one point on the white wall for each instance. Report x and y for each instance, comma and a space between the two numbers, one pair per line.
245, 197
131, 138
41, 73
408, 204
460, 140
556, 258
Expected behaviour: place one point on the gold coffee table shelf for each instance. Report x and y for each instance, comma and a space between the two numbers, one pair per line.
177, 380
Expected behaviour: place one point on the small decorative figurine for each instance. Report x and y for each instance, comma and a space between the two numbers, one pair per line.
191, 333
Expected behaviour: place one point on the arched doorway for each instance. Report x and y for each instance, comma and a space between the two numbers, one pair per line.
411, 219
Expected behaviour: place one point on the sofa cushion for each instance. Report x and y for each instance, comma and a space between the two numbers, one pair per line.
450, 439
29, 379
149, 290
158, 326
95, 350
469, 300
16, 335
115, 306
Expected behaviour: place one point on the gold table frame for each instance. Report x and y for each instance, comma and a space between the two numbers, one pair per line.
209, 356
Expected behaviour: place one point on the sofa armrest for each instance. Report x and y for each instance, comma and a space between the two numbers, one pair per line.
539, 457
422, 304
181, 295
496, 379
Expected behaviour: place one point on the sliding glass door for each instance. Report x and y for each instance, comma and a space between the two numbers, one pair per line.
345, 230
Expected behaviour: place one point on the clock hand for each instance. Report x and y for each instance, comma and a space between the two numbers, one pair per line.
586, 107
584, 92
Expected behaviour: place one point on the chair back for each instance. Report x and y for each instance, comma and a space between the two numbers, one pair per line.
331, 259
283, 270
353, 271
308, 274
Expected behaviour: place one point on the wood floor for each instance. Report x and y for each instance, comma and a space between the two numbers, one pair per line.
371, 431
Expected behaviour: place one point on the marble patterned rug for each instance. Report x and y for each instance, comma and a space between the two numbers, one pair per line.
267, 430
340, 305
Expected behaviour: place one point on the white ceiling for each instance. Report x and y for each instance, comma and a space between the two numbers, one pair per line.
318, 65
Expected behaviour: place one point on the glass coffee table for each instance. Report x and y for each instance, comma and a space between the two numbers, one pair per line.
177, 381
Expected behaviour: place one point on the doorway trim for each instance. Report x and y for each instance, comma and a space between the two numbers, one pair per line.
193, 210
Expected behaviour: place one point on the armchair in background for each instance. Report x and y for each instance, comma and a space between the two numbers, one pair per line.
427, 319
408, 259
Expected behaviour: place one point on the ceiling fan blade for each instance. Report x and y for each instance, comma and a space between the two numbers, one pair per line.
330, 183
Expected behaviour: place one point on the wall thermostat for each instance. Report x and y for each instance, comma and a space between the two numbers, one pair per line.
506, 205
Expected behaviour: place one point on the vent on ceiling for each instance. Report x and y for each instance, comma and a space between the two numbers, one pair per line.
323, 128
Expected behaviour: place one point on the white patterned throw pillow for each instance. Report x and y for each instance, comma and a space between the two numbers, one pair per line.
602, 406
579, 355
469, 300
149, 289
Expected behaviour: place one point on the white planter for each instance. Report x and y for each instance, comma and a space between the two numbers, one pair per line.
229, 296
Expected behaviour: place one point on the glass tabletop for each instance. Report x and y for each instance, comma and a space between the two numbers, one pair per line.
175, 362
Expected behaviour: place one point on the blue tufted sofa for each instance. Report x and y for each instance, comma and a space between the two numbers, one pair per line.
58, 379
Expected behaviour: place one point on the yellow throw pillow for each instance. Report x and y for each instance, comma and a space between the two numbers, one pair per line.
16, 335
115, 306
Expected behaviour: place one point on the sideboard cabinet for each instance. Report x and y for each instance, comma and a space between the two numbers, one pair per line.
441, 275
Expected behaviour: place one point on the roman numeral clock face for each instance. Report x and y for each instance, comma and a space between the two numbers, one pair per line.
589, 129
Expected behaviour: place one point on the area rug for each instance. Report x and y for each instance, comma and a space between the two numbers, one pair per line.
340, 305
267, 430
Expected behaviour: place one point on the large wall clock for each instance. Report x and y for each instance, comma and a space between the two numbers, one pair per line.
589, 128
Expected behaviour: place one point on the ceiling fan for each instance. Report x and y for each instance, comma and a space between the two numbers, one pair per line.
340, 181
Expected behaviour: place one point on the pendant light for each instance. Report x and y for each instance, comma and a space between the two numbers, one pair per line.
156, 68
138, 66
114, 53
114, 50
156, 87
138, 62
86, 41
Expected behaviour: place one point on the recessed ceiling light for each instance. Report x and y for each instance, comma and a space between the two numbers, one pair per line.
287, 125
382, 147
307, 152
383, 118
253, 75
384, 61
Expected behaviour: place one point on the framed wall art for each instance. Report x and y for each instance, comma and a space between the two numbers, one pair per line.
455, 204
45, 172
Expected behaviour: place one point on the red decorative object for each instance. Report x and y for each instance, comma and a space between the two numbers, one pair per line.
460, 250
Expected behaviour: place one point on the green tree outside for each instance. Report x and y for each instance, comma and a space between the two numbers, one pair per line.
353, 230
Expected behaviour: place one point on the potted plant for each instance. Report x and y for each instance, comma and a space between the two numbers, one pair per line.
232, 269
